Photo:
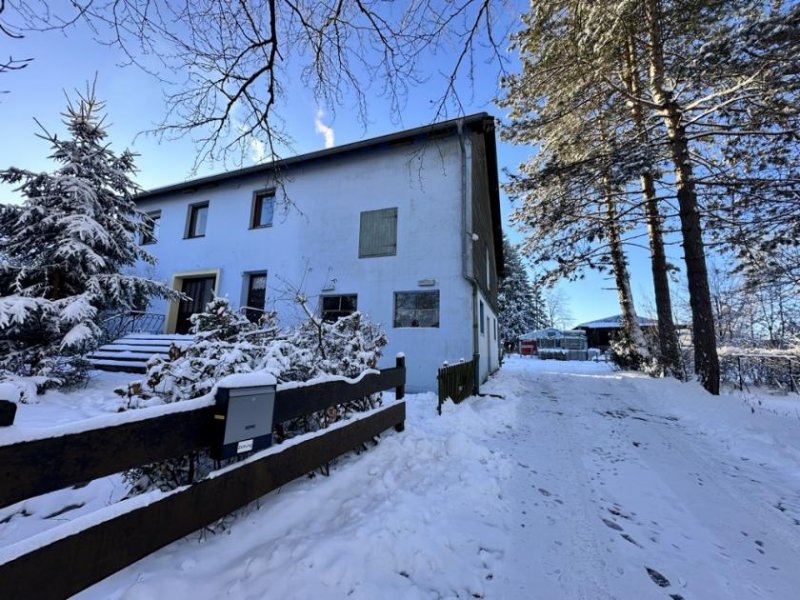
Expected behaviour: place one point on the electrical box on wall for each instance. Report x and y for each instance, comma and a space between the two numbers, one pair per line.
243, 419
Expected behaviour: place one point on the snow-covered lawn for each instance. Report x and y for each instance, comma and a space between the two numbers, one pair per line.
579, 483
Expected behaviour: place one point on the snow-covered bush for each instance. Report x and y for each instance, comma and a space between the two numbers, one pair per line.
64, 251
227, 343
628, 354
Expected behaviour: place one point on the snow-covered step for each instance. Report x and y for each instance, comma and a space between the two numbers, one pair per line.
131, 352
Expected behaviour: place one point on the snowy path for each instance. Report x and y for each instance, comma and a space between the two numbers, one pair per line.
580, 483
616, 475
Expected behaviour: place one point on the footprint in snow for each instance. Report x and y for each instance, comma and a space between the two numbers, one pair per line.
612, 525
657, 577
628, 538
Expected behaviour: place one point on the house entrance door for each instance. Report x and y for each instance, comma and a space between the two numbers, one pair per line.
200, 291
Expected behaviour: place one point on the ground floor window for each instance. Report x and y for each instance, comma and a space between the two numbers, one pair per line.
336, 307
256, 295
416, 309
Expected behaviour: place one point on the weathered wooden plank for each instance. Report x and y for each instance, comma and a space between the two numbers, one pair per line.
71, 564
32, 468
28, 469
299, 401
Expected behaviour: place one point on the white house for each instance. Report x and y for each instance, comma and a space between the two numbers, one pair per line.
404, 228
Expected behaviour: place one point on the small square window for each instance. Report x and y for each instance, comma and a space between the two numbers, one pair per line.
198, 218
150, 227
263, 209
416, 309
336, 307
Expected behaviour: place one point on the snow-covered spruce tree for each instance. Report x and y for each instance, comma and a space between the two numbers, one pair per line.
520, 309
65, 249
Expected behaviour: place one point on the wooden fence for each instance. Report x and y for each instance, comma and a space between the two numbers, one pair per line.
68, 564
457, 381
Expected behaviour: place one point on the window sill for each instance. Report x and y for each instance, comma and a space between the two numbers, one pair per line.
260, 226
194, 237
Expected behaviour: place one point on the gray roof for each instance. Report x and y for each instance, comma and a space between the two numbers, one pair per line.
615, 322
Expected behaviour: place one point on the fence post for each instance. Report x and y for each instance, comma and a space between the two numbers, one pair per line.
400, 363
400, 390
741, 381
7, 411
476, 359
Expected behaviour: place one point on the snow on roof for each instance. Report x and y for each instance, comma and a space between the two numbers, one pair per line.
552, 334
615, 322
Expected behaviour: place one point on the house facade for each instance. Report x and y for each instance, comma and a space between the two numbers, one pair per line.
404, 228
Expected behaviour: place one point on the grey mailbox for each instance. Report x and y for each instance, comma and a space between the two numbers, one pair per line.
243, 419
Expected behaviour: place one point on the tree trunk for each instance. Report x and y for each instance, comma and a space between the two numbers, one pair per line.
630, 323
671, 359
706, 362
667, 335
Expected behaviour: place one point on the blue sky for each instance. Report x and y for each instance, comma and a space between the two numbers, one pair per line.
134, 103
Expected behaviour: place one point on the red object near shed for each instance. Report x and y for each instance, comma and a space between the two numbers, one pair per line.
528, 348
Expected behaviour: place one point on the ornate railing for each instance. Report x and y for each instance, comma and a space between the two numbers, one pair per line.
120, 324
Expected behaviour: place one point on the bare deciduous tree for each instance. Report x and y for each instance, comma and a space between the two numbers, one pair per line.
227, 65
11, 64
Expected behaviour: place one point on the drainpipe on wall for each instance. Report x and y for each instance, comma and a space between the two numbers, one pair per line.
466, 253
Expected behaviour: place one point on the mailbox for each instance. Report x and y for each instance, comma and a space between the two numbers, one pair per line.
243, 419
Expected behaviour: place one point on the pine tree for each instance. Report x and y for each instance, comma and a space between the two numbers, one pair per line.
66, 250
705, 91
519, 310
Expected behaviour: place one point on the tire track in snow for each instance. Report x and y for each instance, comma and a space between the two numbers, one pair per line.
557, 549
637, 504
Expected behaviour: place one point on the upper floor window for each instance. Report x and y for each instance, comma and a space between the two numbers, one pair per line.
336, 307
378, 235
198, 218
416, 309
150, 227
263, 209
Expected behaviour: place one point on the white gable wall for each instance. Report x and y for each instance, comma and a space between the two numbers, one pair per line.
317, 241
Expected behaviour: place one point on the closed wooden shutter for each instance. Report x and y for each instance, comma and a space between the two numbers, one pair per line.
378, 235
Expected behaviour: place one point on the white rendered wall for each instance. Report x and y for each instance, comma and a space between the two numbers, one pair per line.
317, 241
488, 344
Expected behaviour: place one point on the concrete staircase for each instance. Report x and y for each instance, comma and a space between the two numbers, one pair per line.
131, 352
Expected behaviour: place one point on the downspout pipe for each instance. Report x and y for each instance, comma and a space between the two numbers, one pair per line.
466, 254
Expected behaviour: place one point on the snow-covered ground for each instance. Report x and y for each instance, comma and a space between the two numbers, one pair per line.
579, 483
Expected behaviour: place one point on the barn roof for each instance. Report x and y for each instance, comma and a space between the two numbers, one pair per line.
615, 322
